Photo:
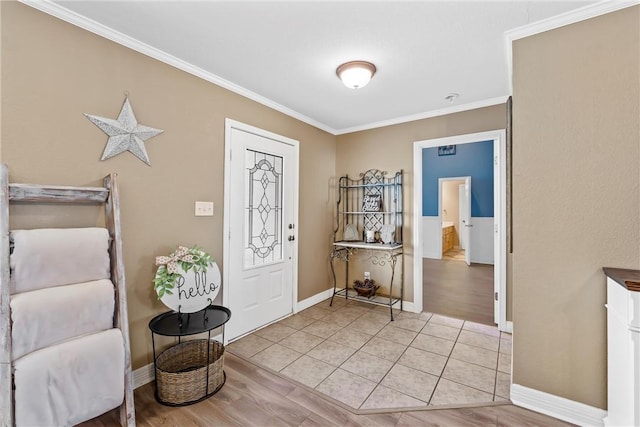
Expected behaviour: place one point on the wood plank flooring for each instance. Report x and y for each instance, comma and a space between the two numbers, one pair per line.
452, 288
256, 397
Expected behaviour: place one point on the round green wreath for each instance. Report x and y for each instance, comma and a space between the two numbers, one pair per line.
187, 258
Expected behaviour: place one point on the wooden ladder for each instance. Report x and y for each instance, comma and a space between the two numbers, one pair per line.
107, 195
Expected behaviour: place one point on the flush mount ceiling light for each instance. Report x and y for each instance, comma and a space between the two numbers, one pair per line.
356, 74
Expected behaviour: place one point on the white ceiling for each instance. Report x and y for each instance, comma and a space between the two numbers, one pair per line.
284, 54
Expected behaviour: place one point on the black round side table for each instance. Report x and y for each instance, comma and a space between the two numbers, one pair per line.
180, 325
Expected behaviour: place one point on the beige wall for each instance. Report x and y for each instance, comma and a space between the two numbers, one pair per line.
391, 148
576, 204
52, 72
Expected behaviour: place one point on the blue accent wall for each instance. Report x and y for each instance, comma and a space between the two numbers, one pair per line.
474, 160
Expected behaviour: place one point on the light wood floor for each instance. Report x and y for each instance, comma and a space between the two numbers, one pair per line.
454, 289
255, 397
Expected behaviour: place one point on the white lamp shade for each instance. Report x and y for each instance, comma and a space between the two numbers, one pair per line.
356, 74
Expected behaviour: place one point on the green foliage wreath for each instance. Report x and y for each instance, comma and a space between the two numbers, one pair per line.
188, 258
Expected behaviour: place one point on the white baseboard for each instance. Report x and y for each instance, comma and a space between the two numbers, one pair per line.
557, 407
408, 306
509, 327
317, 298
306, 303
143, 375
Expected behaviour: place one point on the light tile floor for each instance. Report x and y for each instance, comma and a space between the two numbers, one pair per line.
353, 353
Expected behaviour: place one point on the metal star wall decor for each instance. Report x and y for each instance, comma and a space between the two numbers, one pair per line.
125, 134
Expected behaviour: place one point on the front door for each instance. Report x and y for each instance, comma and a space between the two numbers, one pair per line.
260, 226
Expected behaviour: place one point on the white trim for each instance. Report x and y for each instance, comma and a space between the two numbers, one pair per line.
500, 224
500, 258
313, 300
324, 295
425, 115
590, 11
92, 26
482, 240
233, 124
60, 12
143, 375
557, 407
567, 18
509, 327
431, 248
409, 306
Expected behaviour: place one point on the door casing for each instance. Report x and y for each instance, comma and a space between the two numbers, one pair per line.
500, 214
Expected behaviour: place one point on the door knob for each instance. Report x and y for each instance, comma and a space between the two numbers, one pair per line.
292, 238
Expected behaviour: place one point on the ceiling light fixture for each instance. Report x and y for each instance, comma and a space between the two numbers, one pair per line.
356, 74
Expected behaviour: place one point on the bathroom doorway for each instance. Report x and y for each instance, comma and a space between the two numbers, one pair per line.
454, 206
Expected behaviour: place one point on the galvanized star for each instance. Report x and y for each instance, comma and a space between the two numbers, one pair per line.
125, 134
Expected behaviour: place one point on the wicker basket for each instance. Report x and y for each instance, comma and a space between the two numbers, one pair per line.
181, 371
367, 288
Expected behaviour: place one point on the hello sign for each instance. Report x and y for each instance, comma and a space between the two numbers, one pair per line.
194, 290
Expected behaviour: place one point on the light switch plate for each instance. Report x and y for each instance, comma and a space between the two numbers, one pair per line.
204, 208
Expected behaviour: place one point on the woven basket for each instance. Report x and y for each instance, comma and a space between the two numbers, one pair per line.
181, 371
367, 289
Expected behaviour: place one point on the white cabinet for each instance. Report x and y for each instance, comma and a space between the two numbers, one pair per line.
623, 347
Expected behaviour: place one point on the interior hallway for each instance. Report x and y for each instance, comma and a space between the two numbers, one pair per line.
452, 288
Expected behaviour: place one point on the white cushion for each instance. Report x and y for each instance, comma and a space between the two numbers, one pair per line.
70, 382
48, 316
48, 257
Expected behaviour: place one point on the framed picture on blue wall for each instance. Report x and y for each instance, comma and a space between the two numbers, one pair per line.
446, 150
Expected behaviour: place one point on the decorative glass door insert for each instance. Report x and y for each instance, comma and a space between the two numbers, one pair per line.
263, 209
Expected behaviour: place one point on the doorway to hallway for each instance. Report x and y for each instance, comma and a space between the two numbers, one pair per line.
492, 226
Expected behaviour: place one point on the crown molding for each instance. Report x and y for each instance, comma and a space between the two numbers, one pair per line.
567, 18
597, 9
92, 26
425, 115
55, 10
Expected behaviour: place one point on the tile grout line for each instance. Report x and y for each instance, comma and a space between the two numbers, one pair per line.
393, 366
495, 382
356, 350
445, 363
361, 347
388, 323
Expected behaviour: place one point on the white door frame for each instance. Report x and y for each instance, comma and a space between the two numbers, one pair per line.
500, 212
230, 124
